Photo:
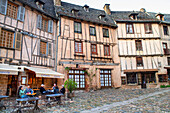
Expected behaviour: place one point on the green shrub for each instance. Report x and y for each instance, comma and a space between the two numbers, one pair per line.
70, 85
162, 86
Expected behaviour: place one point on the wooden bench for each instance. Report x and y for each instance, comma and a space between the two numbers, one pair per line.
52, 98
1, 101
26, 100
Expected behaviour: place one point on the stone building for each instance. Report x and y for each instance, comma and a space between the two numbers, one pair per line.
87, 46
28, 31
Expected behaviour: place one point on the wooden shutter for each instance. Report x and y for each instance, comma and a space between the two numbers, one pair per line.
50, 26
21, 13
18, 38
39, 21
49, 49
3, 6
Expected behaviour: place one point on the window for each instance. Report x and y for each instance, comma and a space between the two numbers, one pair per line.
168, 60
43, 47
44, 24
106, 50
148, 28
6, 38
105, 78
49, 49
163, 78
92, 31
105, 32
131, 78
138, 45
165, 48
78, 47
3, 6
12, 10
129, 29
150, 78
139, 61
123, 80
165, 28
77, 27
79, 77
94, 49
18, 37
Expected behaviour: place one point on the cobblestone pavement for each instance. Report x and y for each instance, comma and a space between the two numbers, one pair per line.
155, 104
91, 100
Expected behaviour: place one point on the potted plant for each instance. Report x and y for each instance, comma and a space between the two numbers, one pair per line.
70, 85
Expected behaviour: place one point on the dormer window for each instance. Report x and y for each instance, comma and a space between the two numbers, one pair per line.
86, 8
74, 11
101, 17
40, 4
160, 16
133, 16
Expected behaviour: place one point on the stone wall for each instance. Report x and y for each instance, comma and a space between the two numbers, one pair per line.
3, 84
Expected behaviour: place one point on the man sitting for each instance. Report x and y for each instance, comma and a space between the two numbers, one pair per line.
62, 90
28, 90
42, 90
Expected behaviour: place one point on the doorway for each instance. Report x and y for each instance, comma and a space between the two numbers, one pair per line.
12, 85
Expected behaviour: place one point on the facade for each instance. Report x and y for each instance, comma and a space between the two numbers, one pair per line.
27, 44
87, 46
141, 53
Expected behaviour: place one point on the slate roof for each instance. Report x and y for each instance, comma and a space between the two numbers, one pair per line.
48, 8
91, 16
166, 17
123, 16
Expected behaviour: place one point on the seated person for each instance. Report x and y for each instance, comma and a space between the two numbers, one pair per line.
28, 90
55, 88
42, 90
62, 90
22, 92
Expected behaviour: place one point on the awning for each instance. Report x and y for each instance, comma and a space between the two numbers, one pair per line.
6, 69
140, 70
47, 73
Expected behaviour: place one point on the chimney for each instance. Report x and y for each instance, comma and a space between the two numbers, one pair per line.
142, 10
57, 2
107, 9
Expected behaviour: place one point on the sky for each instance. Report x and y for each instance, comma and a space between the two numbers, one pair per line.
162, 6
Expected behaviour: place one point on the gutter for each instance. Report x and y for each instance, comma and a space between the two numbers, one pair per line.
57, 42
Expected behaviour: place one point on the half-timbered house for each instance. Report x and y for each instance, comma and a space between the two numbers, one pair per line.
140, 48
87, 46
27, 44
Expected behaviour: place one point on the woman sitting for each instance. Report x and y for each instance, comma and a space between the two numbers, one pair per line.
22, 92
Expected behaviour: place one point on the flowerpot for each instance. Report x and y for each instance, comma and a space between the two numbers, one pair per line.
70, 95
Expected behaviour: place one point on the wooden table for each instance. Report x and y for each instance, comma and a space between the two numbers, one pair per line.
31, 95
30, 99
1, 101
49, 96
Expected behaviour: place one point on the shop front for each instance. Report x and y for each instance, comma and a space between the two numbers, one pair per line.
8, 80
143, 78
34, 77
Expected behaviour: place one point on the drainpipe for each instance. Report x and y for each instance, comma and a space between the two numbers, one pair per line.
57, 43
